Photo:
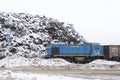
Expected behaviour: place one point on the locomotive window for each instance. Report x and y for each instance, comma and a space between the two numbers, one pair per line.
96, 47
55, 50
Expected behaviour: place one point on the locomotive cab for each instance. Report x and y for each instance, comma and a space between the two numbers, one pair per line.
96, 49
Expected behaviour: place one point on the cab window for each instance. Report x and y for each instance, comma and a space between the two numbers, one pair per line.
96, 47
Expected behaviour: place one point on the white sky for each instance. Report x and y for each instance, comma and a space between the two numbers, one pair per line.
95, 20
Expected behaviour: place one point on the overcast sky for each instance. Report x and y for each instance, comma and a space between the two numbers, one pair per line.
95, 20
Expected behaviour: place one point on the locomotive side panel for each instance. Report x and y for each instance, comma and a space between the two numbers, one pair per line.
75, 50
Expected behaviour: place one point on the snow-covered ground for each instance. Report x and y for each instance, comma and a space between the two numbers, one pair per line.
101, 65
9, 71
17, 61
9, 75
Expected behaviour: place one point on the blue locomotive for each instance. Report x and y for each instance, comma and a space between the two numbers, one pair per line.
84, 52
76, 53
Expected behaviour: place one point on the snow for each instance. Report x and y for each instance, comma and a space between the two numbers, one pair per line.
101, 65
14, 61
9, 75
17, 61
104, 62
55, 62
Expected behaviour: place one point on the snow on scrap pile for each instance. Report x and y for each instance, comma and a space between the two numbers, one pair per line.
101, 64
29, 34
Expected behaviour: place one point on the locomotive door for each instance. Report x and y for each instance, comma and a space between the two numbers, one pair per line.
55, 50
96, 49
